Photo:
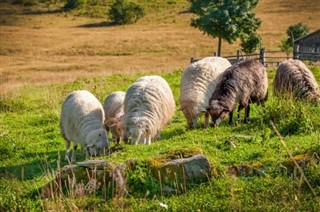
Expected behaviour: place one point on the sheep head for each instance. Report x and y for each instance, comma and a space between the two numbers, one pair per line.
96, 142
139, 133
217, 112
115, 126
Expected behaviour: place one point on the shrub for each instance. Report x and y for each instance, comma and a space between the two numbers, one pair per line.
125, 12
73, 4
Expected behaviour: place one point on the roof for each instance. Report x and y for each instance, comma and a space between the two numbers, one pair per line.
308, 35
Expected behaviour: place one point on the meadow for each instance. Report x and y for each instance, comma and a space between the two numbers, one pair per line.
45, 54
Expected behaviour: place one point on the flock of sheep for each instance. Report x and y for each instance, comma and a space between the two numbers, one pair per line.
211, 86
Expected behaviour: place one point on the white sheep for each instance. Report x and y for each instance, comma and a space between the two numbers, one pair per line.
81, 122
114, 111
197, 84
148, 106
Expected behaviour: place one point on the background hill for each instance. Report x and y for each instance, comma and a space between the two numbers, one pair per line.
46, 52
41, 43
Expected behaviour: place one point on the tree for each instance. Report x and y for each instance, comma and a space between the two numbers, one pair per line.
125, 12
250, 43
286, 46
225, 19
296, 31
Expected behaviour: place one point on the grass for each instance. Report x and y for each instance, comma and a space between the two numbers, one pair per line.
46, 53
30, 138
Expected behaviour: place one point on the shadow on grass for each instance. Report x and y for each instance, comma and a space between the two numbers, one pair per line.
42, 164
169, 134
44, 12
96, 25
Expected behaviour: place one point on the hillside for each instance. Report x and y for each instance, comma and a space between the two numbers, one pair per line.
41, 43
46, 53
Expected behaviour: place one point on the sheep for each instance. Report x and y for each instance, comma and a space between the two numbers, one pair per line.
197, 85
148, 107
114, 111
244, 82
294, 79
81, 122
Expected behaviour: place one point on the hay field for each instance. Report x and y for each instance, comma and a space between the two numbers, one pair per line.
42, 44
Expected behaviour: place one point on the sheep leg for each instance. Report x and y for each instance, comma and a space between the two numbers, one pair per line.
118, 141
240, 107
74, 154
230, 117
206, 115
195, 120
148, 140
246, 114
87, 153
67, 150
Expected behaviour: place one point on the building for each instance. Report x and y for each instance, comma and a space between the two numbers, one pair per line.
308, 47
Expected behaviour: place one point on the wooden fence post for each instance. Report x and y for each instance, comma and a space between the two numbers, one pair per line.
238, 55
215, 54
295, 52
263, 56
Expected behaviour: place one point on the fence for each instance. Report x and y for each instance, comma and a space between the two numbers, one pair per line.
267, 58
312, 56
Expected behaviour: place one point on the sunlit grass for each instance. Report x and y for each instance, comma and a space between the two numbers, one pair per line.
31, 144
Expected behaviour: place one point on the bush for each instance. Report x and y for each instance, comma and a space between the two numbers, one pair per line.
125, 12
73, 4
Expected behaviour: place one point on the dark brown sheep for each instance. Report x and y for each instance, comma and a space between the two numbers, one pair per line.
244, 82
294, 79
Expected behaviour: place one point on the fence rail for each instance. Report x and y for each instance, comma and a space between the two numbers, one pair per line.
268, 58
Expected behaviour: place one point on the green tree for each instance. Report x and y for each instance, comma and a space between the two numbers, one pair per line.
286, 46
225, 19
125, 12
250, 43
296, 31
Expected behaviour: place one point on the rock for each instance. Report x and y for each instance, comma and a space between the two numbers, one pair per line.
95, 164
87, 177
196, 168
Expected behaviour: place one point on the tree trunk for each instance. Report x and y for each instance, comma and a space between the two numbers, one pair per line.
219, 46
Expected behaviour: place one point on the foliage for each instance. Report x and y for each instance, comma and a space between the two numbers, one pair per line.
286, 46
250, 43
72, 4
126, 12
227, 20
296, 31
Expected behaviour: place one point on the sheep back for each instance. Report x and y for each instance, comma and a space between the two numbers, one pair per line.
81, 121
244, 82
294, 79
113, 105
148, 106
198, 82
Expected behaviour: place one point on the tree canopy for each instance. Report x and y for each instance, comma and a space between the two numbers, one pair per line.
225, 19
250, 43
296, 31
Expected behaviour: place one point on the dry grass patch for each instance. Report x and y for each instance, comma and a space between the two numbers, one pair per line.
41, 44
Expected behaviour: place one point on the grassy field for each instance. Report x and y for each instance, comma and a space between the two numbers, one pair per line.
30, 138
45, 53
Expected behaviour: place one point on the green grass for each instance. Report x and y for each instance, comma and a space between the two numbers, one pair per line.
30, 139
